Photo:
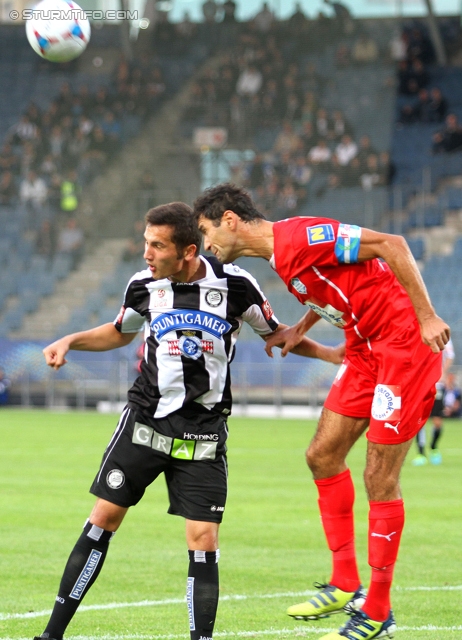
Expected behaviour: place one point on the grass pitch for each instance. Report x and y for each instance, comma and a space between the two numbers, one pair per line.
271, 541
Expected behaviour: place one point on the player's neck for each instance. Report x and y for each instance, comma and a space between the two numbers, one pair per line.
193, 270
257, 239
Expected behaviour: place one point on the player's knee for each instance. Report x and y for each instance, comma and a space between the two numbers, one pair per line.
203, 536
316, 461
107, 516
381, 486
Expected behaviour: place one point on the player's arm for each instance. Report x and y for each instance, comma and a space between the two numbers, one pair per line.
396, 253
288, 338
102, 338
304, 347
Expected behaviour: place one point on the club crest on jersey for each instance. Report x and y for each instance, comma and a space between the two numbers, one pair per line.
213, 298
190, 347
189, 319
187, 348
386, 404
298, 285
321, 233
115, 479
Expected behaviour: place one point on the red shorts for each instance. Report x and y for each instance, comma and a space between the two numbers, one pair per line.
393, 384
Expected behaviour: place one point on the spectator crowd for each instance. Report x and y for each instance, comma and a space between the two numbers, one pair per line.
51, 154
422, 99
266, 86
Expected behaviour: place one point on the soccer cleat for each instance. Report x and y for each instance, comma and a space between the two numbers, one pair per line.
419, 461
435, 457
360, 627
328, 601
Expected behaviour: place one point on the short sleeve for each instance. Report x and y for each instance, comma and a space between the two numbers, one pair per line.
129, 319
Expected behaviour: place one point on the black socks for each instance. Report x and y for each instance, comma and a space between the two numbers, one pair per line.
82, 569
202, 593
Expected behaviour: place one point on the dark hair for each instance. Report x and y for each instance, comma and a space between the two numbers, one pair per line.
179, 216
215, 201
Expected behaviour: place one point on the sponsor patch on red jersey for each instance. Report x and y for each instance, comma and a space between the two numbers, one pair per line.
267, 310
386, 404
321, 233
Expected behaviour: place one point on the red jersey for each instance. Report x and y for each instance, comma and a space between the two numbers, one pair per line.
316, 258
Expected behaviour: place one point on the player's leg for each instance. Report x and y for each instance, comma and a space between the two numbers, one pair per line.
386, 519
435, 455
84, 565
421, 458
202, 585
197, 486
386, 522
125, 472
326, 458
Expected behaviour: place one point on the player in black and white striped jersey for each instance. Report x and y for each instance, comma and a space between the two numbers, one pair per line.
191, 308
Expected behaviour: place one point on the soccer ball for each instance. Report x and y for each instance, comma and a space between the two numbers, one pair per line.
58, 30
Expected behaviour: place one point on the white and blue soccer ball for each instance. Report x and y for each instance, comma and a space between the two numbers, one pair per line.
58, 30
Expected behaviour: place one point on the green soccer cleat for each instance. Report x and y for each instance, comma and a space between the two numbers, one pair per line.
436, 457
419, 461
328, 601
360, 627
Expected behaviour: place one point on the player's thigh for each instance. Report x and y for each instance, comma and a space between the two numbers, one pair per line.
127, 468
334, 437
383, 466
198, 489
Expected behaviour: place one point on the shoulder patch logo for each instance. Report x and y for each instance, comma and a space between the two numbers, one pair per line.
213, 297
321, 233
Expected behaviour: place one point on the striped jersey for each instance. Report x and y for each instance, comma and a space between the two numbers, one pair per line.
317, 259
190, 332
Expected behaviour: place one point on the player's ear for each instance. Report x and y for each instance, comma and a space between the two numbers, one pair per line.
190, 252
230, 219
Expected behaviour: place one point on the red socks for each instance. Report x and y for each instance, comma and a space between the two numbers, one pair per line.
336, 499
386, 522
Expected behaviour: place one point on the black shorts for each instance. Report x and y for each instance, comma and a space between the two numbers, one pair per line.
188, 447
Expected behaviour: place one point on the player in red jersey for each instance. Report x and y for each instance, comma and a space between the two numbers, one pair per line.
368, 284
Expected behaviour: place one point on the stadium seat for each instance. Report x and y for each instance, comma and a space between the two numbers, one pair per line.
417, 247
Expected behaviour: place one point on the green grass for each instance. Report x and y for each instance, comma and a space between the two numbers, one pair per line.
271, 540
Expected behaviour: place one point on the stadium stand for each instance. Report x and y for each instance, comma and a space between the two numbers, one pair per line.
308, 76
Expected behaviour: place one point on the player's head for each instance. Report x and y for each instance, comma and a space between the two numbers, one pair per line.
215, 201
225, 214
179, 217
172, 242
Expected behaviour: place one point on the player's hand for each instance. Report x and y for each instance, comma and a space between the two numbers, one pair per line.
336, 354
435, 333
286, 339
55, 354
